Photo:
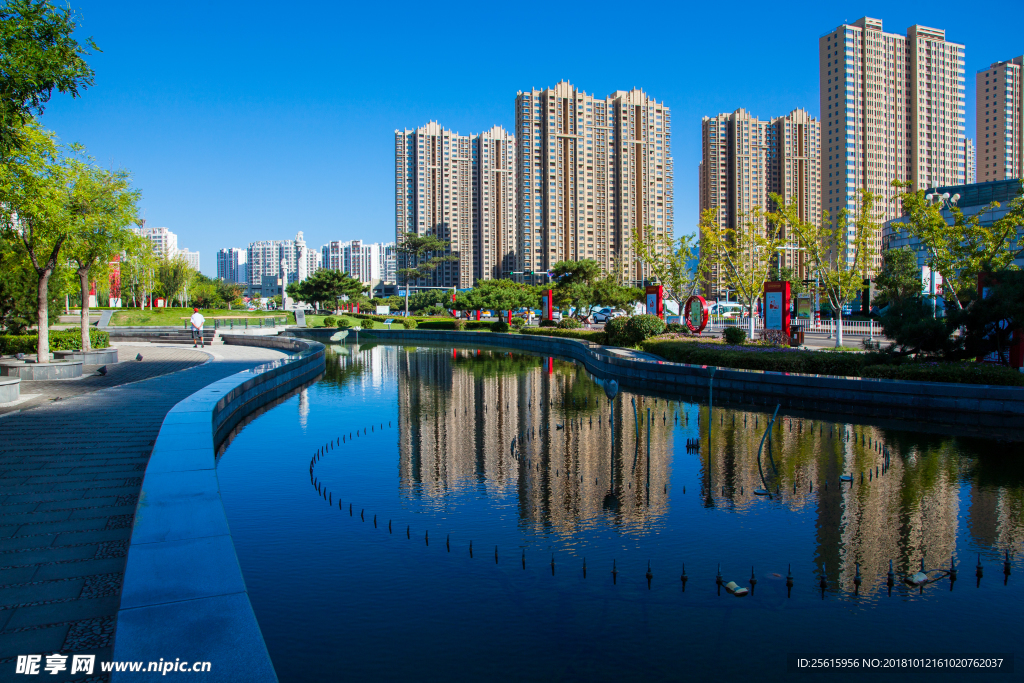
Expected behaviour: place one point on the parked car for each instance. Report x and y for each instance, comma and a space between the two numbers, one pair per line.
728, 309
603, 315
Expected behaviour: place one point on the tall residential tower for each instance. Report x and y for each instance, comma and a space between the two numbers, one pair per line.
892, 108
590, 171
1000, 133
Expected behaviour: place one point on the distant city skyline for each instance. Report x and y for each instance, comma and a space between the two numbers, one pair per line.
230, 143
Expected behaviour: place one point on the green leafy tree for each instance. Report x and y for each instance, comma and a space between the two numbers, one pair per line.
18, 294
899, 278
837, 250
498, 295
38, 56
325, 287
175, 275
138, 267
670, 261
416, 249
41, 209
108, 205
574, 286
744, 254
606, 291
964, 248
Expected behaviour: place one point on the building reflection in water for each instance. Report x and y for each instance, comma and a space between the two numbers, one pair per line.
460, 410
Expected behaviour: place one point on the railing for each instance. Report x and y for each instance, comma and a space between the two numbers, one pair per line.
242, 322
867, 328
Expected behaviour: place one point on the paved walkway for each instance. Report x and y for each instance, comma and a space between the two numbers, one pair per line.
70, 475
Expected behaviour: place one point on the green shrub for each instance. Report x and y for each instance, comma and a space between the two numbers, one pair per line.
60, 340
17, 343
615, 329
518, 323
548, 323
458, 324
345, 323
641, 327
734, 335
595, 336
500, 326
569, 324
956, 373
408, 323
330, 321
677, 328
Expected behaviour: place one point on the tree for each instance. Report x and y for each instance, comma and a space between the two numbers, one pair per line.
138, 267
744, 254
108, 205
575, 284
899, 278
175, 275
837, 250
669, 260
326, 287
19, 305
37, 56
40, 208
498, 295
608, 292
961, 250
415, 247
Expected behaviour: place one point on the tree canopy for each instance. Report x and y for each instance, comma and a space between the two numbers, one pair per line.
325, 287
38, 56
497, 295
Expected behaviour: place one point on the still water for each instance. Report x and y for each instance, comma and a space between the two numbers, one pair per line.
423, 513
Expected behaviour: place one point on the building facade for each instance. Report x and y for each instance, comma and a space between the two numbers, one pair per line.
273, 264
590, 171
892, 108
231, 265
368, 263
494, 205
165, 242
434, 196
1000, 129
743, 160
191, 258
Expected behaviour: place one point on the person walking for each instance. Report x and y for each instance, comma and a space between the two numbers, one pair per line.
197, 321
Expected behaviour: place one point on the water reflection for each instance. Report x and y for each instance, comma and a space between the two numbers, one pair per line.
544, 432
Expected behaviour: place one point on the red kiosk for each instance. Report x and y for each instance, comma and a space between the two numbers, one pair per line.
654, 300
776, 316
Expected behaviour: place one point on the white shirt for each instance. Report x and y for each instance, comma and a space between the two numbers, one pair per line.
197, 320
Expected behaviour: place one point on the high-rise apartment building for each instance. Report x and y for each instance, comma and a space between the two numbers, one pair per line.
494, 204
434, 196
368, 263
191, 258
273, 264
231, 265
1000, 129
970, 161
744, 159
590, 171
892, 108
165, 242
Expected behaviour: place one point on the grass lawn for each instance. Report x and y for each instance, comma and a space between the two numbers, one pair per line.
175, 317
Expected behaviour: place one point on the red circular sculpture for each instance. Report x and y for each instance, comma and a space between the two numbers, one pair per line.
705, 313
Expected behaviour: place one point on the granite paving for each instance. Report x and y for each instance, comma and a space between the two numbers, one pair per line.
70, 475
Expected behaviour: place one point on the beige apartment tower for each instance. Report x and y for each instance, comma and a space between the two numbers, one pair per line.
494, 204
591, 170
1000, 133
744, 159
892, 108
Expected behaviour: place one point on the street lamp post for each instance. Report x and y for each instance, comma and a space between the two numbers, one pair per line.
940, 201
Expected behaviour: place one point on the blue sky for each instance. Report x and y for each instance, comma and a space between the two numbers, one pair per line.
246, 121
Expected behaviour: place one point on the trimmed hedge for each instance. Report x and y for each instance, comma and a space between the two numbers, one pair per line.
595, 336
500, 326
616, 330
330, 321
760, 357
548, 323
518, 322
641, 327
569, 324
60, 340
734, 335
955, 373
452, 324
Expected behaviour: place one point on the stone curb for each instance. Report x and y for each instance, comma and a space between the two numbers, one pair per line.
183, 593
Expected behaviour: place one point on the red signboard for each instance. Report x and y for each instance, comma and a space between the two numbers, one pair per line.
776, 312
654, 300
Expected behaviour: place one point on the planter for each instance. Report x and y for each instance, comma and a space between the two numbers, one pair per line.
94, 357
63, 369
10, 389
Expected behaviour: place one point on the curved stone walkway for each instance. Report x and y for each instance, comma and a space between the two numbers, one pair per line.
70, 475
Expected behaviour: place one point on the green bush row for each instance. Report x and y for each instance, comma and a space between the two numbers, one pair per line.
955, 373
761, 358
631, 330
60, 340
453, 324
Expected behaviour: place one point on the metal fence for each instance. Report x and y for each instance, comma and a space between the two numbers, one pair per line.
243, 322
865, 328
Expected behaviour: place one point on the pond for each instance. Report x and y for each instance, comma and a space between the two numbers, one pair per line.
429, 513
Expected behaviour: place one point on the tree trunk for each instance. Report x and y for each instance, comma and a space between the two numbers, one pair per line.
43, 319
839, 326
83, 278
750, 336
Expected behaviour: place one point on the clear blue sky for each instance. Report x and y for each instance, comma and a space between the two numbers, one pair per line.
247, 121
